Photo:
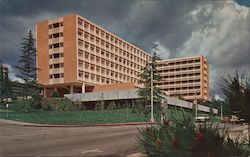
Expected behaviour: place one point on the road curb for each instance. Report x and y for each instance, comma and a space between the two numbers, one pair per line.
12, 122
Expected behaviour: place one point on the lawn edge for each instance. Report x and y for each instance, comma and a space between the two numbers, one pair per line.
27, 124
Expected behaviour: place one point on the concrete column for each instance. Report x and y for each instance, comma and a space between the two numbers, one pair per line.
83, 88
45, 92
71, 89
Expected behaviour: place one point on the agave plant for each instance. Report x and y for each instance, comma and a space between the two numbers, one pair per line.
182, 138
237, 92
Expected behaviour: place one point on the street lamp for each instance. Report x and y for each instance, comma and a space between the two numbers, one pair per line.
152, 94
152, 84
221, 113
196, 106
1, 71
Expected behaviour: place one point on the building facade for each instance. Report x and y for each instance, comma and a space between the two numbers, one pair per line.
5, 72
186, 78
74, 55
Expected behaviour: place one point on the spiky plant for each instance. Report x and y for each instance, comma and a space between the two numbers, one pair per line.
237, 92
182, 138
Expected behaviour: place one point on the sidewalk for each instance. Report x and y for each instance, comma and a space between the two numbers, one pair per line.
12, 122
136, 155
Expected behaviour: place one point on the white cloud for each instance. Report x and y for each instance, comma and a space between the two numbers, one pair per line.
223, 37
12, 74
163, 52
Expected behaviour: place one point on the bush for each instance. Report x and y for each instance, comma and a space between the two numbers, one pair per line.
55, 94
21, 106
58, 104
181, 138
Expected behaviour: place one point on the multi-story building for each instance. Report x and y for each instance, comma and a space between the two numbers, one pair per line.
186, 77
74, 55
5, 72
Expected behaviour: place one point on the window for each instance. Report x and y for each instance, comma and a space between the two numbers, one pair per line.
80, 22
86, 25
80, 33
56, 25
86, 75
92, 67
56, 66
86, 55
86, 35
80, 74
86, 65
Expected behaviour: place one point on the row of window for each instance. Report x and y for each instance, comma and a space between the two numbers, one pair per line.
57, 65
56, 45
107, 36
180, 69
99, 69
180, 76
108, 45
179, 62
113, 62
56, 25
185, 94
55, 35
90, 47
102, 79
180, 88
179, 82
56, 55
56, 76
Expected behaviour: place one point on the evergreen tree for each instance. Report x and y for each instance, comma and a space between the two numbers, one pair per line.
27, 70
143, 105
27, 61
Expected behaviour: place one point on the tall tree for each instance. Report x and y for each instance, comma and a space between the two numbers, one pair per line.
237, 92
27, 70
27, 60
145, 81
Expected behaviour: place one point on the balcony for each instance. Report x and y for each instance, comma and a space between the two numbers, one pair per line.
56, 60
55, 30
56, 70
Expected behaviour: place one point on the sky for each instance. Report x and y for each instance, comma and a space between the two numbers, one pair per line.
217, 29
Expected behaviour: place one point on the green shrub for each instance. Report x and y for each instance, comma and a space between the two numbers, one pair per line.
21, 106
58, 104
55, 94
181, 138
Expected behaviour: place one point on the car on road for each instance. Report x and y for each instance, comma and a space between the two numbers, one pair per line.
202, 118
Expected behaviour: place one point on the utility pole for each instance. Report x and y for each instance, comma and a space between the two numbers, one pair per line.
152, 84
196, 106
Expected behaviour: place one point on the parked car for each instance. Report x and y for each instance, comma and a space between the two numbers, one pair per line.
202, 118
236, 120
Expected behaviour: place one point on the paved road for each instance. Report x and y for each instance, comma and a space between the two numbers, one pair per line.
71, 141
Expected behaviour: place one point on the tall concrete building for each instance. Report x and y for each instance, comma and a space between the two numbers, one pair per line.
185, 77
74, 55
5, 71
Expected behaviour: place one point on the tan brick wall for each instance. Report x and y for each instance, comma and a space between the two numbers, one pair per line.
42, 52
70, 53
119, 86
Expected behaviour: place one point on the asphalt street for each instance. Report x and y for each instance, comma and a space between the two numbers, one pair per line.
70, 141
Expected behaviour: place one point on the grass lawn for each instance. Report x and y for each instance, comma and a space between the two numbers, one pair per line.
76, 117
81, 117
